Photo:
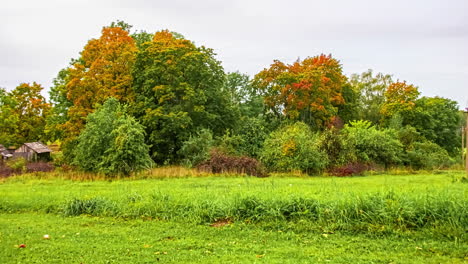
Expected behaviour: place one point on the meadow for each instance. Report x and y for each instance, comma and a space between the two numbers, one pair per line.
409, 218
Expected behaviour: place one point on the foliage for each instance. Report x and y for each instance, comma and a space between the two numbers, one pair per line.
220, 162
428, 155
370, 90
253, 132
112, 142
400, 98
197, 148
294, 147
372, 145
243, 94
308, 90
337, 148
23, 113
178, 91
18, 164
437, 119
102, 71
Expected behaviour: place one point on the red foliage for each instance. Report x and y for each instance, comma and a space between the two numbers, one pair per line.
350, 169
222, 163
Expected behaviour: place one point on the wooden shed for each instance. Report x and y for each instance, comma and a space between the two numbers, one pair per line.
4, 153
34, 151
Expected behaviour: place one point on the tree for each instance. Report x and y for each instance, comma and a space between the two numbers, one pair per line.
102, 71
308, 90
22, 112
437, 119
112, 142
400, 99
370, 90
9, 121
178, 92
239, 89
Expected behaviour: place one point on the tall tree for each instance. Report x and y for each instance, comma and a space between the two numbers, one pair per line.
102, 71
9, 121
178, 91
308, 90
241, 92
437, 119
371, 94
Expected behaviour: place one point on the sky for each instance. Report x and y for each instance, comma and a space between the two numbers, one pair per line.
423, 42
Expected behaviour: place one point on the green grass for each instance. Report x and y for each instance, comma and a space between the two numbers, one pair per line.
420, 218
109, 240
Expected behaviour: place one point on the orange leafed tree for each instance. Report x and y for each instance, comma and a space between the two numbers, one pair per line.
400, 97
308, 90
103, 71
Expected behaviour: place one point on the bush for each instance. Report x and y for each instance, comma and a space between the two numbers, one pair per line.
39, 167
338, 150
372, 145
18, 164
350, 169
197, 148
253, 133
220, 162
294, 147
112, 142
428, 155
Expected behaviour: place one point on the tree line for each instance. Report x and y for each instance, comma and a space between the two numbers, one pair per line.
133, 99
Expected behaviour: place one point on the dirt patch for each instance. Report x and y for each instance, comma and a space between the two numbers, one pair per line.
221, 222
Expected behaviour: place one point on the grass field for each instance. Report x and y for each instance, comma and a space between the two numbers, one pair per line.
420, 218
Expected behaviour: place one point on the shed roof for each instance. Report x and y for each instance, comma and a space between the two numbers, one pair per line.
38, 147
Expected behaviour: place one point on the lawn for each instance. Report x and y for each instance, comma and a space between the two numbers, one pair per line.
420, 218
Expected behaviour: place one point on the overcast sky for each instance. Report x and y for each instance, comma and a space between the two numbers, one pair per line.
424, 42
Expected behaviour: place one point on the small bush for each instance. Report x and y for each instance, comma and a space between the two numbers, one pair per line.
197, 148
39, 167
5, 171
428, 155
350, 169
18, 164
219, 162
294, 147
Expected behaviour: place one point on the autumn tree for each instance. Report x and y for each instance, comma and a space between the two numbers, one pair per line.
308, 90
400, 98
178, 91
22, 112
102, 71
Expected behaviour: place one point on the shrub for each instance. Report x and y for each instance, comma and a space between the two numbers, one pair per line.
350, 169
253, 133
338, 150
18, 164
197, 148
428, 155
294, 147
112, 142
372, 145
39, 167
220, 162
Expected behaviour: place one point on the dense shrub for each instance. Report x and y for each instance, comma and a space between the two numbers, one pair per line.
294, 147
39, 167
253, 133
339, 151
18, 164
428, 155
372, 145
350, 169
220, 162
197, 148
112, 142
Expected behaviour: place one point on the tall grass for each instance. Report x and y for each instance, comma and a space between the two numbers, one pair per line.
380, 203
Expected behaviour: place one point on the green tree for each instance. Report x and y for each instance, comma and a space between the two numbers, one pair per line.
112, 142
242, 93
23, 112
178, 90
371, 94
437, 119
